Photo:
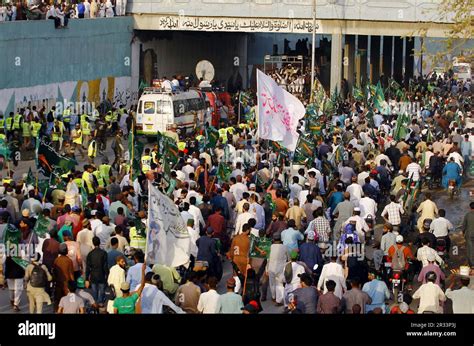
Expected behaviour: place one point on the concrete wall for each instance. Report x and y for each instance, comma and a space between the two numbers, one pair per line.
372, 10
88, 61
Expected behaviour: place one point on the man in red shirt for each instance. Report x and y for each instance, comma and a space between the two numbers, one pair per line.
217, 222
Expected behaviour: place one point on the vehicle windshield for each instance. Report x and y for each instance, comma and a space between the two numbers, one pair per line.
461, 69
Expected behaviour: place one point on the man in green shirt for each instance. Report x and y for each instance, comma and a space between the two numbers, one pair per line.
126, 303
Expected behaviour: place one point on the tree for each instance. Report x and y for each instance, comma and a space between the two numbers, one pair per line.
459, 14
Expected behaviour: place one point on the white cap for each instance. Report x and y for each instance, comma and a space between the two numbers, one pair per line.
252, 186
313, 170
356, 209
399, 239
403, 307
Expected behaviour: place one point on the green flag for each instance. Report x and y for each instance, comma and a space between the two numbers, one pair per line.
357, 93
212, 136
140, 226
167, 148
430, 87
379, 97
30, 179
50, 162
4, 149
401, 130
84, 198
304, 150
21, 262
12, 235
41, 226
135, 147
224, 171
260, 247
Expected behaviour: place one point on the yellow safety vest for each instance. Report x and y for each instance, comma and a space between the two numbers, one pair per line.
223, 135
67, 116
136, 240
146, 163
9, 123
181, 146
16, 122
78, 140
92, 150
108, 117
2, 123
78, 182
35, 128
105, 172
86, 177
26, 129
114, 117
99, 178
3, 136
55, 135
230, 130
86, 128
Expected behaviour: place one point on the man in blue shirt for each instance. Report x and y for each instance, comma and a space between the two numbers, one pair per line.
134, 274
310, 253
219, 201
290, 236
377, 291
336, 198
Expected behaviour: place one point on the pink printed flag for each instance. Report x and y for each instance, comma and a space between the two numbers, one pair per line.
278, 112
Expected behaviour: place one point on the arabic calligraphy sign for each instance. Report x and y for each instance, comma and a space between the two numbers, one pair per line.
237, 24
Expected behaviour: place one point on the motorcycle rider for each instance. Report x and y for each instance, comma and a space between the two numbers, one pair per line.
452, 171
399, 255
441, 227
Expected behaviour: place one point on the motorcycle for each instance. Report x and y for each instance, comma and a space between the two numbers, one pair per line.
441, 248
369, 220
451, 188
398, 284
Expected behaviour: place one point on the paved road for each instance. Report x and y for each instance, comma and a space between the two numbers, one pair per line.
455, 210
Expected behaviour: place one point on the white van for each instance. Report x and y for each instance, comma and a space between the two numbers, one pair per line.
158, 110
462, 71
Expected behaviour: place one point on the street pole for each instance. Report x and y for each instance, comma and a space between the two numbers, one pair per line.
313, 49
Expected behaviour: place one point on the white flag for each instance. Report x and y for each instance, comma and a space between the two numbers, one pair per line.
278, 112
168, 240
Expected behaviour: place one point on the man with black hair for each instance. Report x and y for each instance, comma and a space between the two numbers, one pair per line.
440, 227
355, 296
63, 273
377, 291
187, 295
431, 296
134, 274
97, 271
329, 303
305, 298
37, 278
230, 302
71, 303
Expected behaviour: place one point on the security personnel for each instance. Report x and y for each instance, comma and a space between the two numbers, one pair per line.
115, 116
3, 137
35, 128
56, 134
99, 178
78, 181
88, 180
108, 117
76, 136
223, 135
9, 124
146, 161
92, 151
181, 146
105, 171
17, 121
67, 118
26, 132
138, 239
86, 129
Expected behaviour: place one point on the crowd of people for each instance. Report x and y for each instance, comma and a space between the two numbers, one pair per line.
316, 219
61, 12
